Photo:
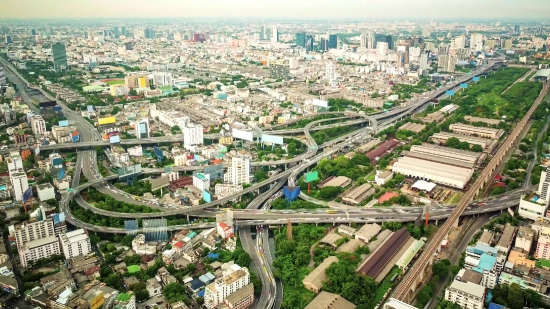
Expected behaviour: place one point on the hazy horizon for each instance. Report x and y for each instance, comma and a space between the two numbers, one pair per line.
304, 9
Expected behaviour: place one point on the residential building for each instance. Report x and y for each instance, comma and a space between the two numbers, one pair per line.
45, 192
41, 248
224, 230
201, 181
474, 253
192, 135
238, 172
467, 295
504, 244
488, 269
524, 238
59, 57
125, 301
19, 183
75, 243
543, 245
476, 42
544, 184
38, 125
233, 280
241, 299
314, 281
222, 190
142, 128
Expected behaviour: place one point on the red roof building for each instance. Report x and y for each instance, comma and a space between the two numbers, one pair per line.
382, 150
387, 196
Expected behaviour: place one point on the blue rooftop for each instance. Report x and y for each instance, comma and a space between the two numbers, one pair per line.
213, 255
196, 284
496, 306
482, 248
58, 218
200, 294
486, 262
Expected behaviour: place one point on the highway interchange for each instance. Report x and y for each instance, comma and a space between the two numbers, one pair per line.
257, 213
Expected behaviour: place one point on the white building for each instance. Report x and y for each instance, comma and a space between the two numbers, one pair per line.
142, 128
201, 181
136, 151
38, 125
224, 230
15, 162
125, 301
476, 42
45, 192
162, 79
20, 184
524, 238
544, 184
238, 172
382, 177
233, 280
75, 243
467, 295
41, 248
222, 190
382, 48
330, 72
192, 135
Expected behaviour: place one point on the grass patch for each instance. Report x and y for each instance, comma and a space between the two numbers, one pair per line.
115, 82
384, 286
454, 198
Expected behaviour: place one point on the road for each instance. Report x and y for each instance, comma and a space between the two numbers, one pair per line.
534, 161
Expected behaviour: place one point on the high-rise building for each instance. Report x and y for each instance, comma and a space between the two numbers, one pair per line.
332, 41
149, 33
446, 63
7, 39
364, 40
75, 243
33, 31
382, 48
123, 31
423, 61
201, 181
389, 40
309, 43
507, 44
193, 135
19, 183
116, 32
476, 42
36, 240
142, 128
262, 32
238, 172
275, 35
543, 245
48, 30
370, 42
3, 79
517, 29
162, 79
234, 280
38, 125
59, 57
330, 72
324, 44
301, 39
460, 41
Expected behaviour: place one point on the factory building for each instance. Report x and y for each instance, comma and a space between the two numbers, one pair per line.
445, 174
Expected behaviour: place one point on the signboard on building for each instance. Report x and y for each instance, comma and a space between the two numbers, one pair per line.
240, 134
61, 174
206, 196
450, 92
311, 176
47, 104
158, 152
63, 123
97, 301
106, 120
115, 139
129, 171
28, 194
320, 103
215, 171
272, 139
75, 136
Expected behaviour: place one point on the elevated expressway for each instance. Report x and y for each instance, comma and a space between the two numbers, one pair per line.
407, 287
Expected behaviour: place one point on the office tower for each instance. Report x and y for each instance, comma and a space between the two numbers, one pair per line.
517, 29
460, 41
162, 79
443, 49
15, 162
201, 181
324, 44
332, 41
309, 43
238, 172
142, 128
129, 45
36, 240
414, 54
49, 30
3, 79
86, 35
38, 125
7, 39
476, 42
33, 31
423, 62
330, 72
275, 35
116, 32
430, 46
193, 135
446, 63
59, 57
19, 182
90, 35
279, 70
364, 40
149, 33
262, 33
301, 39
123, 31
382, 48
233, 280
75, 243
389, 40
370, 42
507, 44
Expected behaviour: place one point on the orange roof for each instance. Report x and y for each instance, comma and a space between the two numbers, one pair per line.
179, 244
387, 196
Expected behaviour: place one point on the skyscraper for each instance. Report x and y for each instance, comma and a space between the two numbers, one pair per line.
59, 57
460, 41
423, 62
364, 40
309, 43
192, 135
275, 35
149, 33
332, 41
330, 72
370, 43
116, 32
142, 128
301, 39
382, 48
123, 31
262, 33
324, 44
33, 31
476, 42
7, 39
389, 40
517, 29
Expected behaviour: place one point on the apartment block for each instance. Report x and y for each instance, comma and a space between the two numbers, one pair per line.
75, 243
219, 290
467, 295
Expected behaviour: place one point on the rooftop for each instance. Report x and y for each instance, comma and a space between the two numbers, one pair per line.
124, 297
40, 242
326, 300
469, 288
241, 294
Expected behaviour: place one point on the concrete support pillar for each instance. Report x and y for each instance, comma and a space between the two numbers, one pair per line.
455, 224
436, 222
187, 217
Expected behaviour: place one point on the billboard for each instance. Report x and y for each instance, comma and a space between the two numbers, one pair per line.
272, 139
206, 196
450, 92
97, 301
27, 195
76, 136
158, 152
320, 103
114, 139
63, 123
129, 170
291, 193
476, 79
463, 85
90, 108
3, 187
47, 104
106, 120
311, 176
240, 134
214, 171
61, 174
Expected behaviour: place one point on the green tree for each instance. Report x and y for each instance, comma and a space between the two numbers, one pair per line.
515, 297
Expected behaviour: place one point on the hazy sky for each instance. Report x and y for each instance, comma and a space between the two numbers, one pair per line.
307, 9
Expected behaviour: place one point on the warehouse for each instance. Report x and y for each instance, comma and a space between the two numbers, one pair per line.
452, 176
413, 127
382, 150
374, 264
393, 261
477, 131
446, 152
314, 281
367, 231
340, 181
442, 137
380, 239
355, 196
493, 122
438, 159
412, 250
368, 146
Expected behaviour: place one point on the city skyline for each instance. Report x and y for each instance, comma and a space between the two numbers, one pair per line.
321, 9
